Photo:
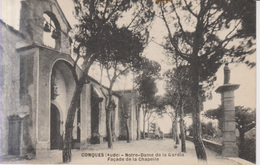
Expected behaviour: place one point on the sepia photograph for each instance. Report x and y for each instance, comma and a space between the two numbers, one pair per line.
128, 82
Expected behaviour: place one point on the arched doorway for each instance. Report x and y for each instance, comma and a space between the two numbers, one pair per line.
56, 138
62, 89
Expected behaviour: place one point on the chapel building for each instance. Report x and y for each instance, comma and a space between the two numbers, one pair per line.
37, 85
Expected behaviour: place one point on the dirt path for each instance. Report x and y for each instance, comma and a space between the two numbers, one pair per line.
146, 152
160, 152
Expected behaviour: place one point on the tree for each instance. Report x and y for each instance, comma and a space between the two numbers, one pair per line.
96, 21
202, 37
146, 87
148, 68
245, 121
208, 129
172, 113
138, 129
215, 114
151, 117
178, 94
168, 104
122, 54
147, 91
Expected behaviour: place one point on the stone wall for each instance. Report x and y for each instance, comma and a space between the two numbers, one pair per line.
116, 117
36, 65
47, 60
216, 147
10, 79
85, 116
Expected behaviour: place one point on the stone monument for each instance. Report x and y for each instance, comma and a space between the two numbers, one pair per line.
229, 144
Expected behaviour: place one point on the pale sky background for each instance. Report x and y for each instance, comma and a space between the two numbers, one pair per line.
240, 74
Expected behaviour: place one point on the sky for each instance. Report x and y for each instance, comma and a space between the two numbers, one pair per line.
240, 74
7, 13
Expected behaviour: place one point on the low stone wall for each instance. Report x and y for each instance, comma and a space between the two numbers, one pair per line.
216, 147
190, 138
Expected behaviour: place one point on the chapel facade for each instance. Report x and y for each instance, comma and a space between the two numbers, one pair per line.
37, 85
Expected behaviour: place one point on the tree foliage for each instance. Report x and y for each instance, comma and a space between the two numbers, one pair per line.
146, 81
214, 32
245, 121
148, 68
244, 10
245, 117
147, 88
202, 32
178, 89
98, 37
207, 129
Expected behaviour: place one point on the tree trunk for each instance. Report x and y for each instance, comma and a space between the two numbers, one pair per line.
127, 130
109, 110
199, 146
183, 143
177, 141
113, 125
66, 153
143, 126
242, 143
138, 123
173, 131
148, 127
195, 78
197, 139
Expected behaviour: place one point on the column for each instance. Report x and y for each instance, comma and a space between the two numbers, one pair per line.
229, 144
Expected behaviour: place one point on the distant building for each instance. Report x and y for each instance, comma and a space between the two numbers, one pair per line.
129, 106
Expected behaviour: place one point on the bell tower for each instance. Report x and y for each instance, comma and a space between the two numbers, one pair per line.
44, 23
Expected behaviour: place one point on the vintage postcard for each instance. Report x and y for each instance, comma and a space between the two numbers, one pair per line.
128, 82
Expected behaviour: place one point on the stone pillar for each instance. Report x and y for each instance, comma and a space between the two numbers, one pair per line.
229, 144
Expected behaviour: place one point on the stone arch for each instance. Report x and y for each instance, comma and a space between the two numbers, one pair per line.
97, 92
62, 86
